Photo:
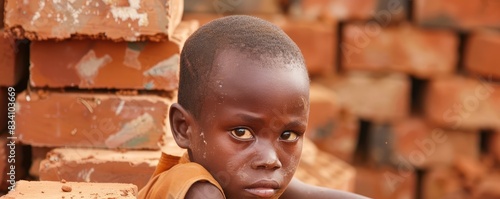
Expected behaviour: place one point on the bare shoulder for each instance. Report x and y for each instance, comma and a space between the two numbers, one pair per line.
204, 190
297, 190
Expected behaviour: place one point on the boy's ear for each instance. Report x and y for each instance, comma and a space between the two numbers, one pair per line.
181, 125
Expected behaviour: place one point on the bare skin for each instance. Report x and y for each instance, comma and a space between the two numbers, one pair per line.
249, 134
295, 190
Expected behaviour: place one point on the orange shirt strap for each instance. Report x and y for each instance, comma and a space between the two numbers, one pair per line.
166, 162
175, 183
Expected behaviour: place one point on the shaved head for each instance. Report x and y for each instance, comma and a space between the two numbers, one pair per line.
255, 38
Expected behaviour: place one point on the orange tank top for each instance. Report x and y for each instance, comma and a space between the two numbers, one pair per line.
173, 177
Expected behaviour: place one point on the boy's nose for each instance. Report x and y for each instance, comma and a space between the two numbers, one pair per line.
266, 158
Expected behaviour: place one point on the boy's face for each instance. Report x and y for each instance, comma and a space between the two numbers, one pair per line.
249, 135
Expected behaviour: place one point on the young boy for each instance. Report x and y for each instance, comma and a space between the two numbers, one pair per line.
242, 111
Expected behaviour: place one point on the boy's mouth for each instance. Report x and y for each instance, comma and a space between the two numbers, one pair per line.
263, 188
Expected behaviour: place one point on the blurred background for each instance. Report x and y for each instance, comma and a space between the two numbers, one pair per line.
405, 100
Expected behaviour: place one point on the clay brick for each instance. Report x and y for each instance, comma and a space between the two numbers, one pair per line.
480, 54
385, 183
105, 64
11, 162
169, 146
183, 31
381, 149
13, 59
91, 120
494, 145
308, 35
108, 64
330, 126
472, 170
99, 165
443, 182
376, 97
488, 187
225, 7
317, 41
424, 53
115, 20
384, 11
318, 168
425, 146
462, 14
2, 4
48, 189
37, 155
4, 100
202, 18
463, 103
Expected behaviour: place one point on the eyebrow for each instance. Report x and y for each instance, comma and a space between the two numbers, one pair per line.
250, 118
296, 124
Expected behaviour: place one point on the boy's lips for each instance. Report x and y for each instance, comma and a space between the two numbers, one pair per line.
263, 188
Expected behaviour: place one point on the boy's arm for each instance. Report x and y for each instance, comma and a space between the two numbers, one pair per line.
203, 190
299, 190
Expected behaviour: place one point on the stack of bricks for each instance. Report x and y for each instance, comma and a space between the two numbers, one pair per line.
102, 75
14, 60
406, 91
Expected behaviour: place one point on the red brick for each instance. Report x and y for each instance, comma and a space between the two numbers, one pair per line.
385, 183
382, 10
202, 18
424, 53
317, 41
232, 7
48, 189
308, 35
463, 103
4, 100
380, 148
423, 145
318, 168
13, 59
443, 182
494, 145
388, 94
37, 155
115, 20
488, 187
330, 126
11, 161
2, 4
107, 64
463, 14
99, 165
481, 57
91, 120
183, 31
472, 171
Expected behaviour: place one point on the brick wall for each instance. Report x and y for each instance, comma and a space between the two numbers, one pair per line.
102, 75
405, 91
411, 99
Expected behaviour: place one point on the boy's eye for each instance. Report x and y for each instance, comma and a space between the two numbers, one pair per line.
289, 136
242, 134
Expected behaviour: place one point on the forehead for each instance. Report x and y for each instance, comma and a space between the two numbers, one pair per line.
255, 82
261, 74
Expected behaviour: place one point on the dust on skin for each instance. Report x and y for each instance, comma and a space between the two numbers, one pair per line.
266, 102
294, 160
202, 135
